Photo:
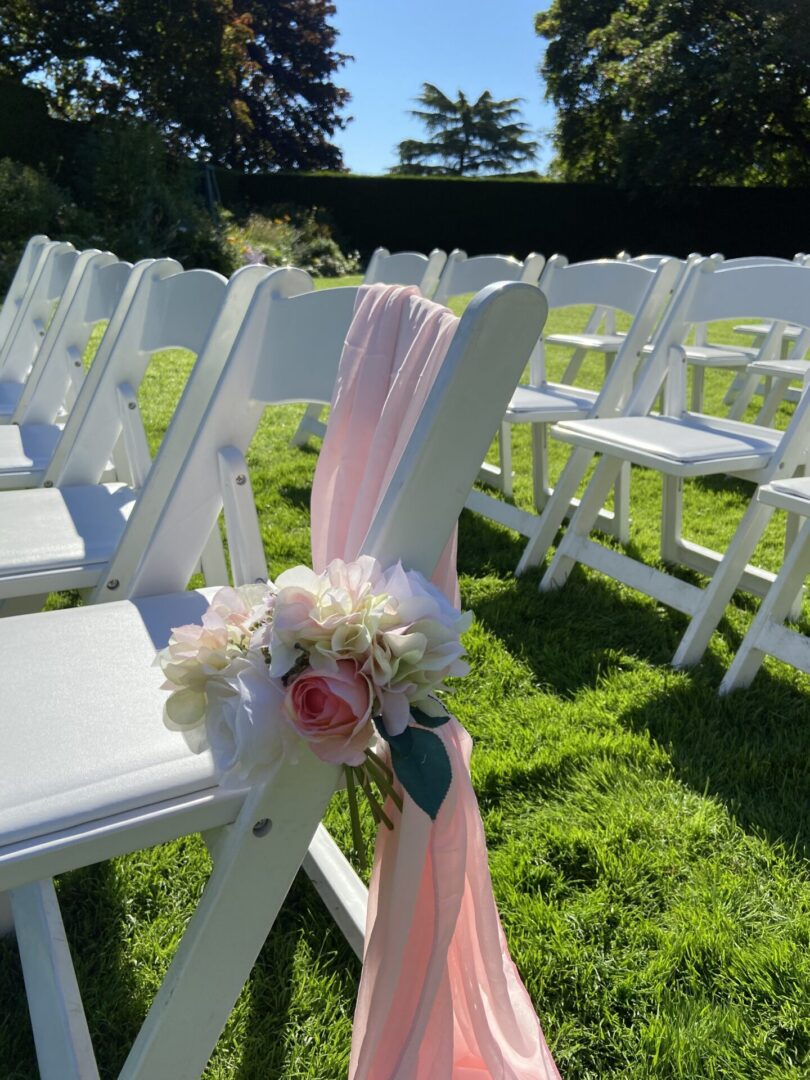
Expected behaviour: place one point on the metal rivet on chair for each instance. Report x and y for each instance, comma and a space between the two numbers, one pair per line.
262, 827
132, 405
113, 583
241, 479
48, 483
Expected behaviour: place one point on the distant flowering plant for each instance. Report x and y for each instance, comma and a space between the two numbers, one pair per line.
349, 660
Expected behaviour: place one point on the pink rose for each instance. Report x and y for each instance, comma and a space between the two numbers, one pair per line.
332, 711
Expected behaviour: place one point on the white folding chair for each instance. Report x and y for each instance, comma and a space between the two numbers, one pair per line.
15, 294
758, 331
35, 453
463, 275
88, 292
109, 776
607, 285
768, 635
401, 268
62, 535
681, 444
18, 351
406, 268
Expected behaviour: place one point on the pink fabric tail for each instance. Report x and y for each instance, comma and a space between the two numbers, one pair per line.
439, 998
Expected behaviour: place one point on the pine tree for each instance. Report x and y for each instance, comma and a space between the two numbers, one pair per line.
465, 137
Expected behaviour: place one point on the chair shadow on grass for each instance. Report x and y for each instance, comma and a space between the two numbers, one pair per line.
564, 637
750, 750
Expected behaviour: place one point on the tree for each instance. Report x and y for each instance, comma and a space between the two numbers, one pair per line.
245, 83
679, 91
466, 137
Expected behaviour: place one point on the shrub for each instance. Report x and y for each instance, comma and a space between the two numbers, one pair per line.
31, 204
292, 236
145, 201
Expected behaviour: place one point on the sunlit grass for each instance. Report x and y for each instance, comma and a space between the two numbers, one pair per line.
648, 841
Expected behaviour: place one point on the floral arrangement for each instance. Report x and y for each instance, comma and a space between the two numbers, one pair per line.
349, 660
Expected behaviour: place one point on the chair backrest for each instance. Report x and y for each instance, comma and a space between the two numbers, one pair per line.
26, 268
759, 260
464, 275
52, 275
272, 361
712, 291
91, 295
169, 308
406, 268
608, 286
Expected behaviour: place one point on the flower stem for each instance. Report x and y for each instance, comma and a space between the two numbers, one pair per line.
376, 809
383, 777
354, 817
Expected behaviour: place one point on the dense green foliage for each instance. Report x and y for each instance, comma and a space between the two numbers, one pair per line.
665, 92
288, 236
648, 841
465, 137
245, 83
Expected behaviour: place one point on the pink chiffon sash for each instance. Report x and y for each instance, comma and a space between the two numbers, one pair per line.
439, 998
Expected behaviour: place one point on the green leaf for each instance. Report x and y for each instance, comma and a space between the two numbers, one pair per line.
423, 770
424, 720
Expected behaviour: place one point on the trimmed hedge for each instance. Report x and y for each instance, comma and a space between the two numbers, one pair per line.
491, 215
517, 216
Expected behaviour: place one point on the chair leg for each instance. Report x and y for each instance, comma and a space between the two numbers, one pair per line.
310, 425
253, 872
774, 398
541, 487
557, 507
62, 1040
581, 523
698, 381
505, 453
212, 560
773, 612
671, 517
722, 585
745, 393
574, 364
621, 505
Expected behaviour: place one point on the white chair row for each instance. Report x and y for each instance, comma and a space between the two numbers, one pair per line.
680, 444
105, 786
437, 277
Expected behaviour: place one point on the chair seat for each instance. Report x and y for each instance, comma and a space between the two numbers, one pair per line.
27, 448
719, 356
10, 394
788, 494
782, 369
691, 445
549, 403
761, 329
610, 343
43, 529
95, 743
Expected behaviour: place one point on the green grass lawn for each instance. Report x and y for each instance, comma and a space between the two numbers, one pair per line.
648, 841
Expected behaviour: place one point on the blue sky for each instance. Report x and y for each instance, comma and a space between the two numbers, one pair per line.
469, 45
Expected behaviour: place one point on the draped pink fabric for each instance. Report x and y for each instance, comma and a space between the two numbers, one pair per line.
439, 998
